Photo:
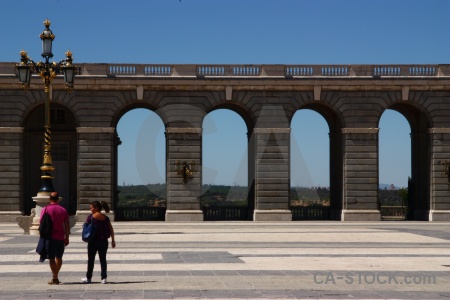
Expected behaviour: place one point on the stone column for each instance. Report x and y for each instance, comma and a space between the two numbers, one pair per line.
360, 175
95, 168
271, 158
183, 193
10, 173
440, 175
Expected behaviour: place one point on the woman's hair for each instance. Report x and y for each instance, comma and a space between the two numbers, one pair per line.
101, 205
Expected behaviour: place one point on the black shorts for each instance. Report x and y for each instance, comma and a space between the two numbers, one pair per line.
55, 249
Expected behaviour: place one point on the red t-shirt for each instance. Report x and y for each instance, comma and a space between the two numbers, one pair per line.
59, 215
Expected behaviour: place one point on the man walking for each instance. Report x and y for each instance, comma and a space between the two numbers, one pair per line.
60, 234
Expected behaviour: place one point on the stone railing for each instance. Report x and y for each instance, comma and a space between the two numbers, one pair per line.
255, 71
393, 211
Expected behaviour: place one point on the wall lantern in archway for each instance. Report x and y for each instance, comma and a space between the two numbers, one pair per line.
446, 165
47, 70
185, 169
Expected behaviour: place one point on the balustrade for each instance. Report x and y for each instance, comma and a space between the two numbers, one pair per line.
254, 70
122, 70
310, 213
422, 71
299, 71
246, 70
335, 71
211, 70
387, 71
158, 70
141, 213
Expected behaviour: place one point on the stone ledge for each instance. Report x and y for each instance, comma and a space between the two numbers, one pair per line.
9, 216
95, 129
192, 130
11, 129
271, 130
360, 215
184, 216
360, 130
272, 215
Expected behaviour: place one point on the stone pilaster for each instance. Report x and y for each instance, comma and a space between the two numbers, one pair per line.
183, 193
271, 153
10, 173
95, 167
440, 175
360, 175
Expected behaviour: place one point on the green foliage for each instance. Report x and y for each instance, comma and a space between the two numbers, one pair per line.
222, 195
142, 195
303, 196
393, 197
155, 195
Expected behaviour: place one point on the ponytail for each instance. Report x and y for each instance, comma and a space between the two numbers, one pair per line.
100, 205
105, 206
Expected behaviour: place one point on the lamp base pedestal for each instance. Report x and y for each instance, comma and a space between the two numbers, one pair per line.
41, 201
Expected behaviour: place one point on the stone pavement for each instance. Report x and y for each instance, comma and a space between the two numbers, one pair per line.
241, 260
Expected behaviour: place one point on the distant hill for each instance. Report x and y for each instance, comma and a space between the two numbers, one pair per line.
383, 186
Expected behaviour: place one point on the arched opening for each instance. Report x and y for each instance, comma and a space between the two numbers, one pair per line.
141, 168
411, 165
225, 186
310, 197
394, 164
64, 156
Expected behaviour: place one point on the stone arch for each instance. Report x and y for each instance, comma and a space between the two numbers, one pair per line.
419, 183
64, 154
240, 110
125, 109
235, 213
115, 161
335, 123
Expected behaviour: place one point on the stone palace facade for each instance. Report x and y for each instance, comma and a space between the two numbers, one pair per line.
351, 98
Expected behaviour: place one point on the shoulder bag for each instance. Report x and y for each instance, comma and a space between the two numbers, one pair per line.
88, 233
46, 225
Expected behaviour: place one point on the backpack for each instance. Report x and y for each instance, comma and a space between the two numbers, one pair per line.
46, 225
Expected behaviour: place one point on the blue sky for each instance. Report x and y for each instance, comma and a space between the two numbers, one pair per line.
238, 32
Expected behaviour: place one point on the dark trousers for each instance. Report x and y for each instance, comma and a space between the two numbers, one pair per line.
93, 247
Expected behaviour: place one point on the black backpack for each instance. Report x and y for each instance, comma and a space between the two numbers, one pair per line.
46, 226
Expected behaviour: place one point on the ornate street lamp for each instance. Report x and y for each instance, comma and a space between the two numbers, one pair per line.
47, 71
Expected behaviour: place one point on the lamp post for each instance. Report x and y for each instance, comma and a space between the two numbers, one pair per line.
47, 70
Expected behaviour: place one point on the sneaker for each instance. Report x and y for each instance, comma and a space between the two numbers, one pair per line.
85, 280
104, 280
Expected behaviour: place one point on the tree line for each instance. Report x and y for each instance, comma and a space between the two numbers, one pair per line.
222, 195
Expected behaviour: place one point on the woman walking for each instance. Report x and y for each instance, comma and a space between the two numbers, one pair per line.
104, 230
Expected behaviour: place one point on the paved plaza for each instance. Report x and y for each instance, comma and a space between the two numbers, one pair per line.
241, 260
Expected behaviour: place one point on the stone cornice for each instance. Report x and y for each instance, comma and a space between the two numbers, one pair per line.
95, 129
184, 130
272, 130
11, 129
360, 130
438, 130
